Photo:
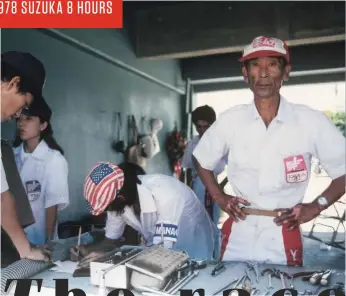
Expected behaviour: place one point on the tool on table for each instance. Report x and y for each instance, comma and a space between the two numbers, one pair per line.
254, 292
258, 212
325, 278
253, 266
291, 282
247, 275
315, 278
283, 282
270, 272
225, 287
220, 267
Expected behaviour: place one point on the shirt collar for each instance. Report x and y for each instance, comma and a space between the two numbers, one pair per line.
39, 153
284, 112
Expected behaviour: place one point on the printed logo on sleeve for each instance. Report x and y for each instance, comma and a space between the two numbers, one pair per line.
295, 169
170, 231
33, 189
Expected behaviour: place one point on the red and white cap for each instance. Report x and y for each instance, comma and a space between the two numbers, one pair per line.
264, 46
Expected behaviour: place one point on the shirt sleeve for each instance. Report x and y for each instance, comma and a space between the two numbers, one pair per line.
57, 190
115, 225
4, 185
330, 147
213, 145
187, 160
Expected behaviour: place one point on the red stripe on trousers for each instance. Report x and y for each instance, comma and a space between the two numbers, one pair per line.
293, 246
226, 232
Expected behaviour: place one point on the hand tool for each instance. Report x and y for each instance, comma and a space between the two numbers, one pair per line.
254, 267
315, 278
282, 280
225, 287
291, 283
325, 277
258, 212
270, 272
220, 267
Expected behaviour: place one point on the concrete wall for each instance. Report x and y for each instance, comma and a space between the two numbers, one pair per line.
85, 91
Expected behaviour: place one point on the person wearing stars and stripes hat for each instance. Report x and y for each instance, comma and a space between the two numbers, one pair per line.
159, 207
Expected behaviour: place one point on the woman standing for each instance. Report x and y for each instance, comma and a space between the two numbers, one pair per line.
43, 170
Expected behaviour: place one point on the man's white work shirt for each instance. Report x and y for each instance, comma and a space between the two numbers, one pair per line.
167, 202
271, 167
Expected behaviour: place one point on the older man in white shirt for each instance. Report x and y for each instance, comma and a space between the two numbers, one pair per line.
270, 144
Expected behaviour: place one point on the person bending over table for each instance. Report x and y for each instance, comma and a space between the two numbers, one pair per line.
147, 203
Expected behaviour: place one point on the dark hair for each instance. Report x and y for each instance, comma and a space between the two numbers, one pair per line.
46, 135
129, 190
205, 112
8, 72
282, 60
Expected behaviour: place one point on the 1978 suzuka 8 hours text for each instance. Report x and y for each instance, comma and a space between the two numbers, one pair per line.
56, 7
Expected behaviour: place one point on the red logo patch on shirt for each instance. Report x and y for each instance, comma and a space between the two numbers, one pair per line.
295, 169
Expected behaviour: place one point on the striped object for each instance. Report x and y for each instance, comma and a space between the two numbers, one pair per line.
101, 186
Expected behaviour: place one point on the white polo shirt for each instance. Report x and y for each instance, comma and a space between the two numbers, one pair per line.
44, 174
271, 167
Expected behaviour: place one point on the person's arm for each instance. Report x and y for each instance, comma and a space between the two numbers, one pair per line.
188, 164
330, 150
115, 226
211, 149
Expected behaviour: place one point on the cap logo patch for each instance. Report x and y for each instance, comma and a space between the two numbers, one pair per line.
263, 42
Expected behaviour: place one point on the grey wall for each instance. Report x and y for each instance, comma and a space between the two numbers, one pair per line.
84, 91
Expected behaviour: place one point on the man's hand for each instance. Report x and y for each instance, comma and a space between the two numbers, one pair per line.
39, 253
299, 214
230, 204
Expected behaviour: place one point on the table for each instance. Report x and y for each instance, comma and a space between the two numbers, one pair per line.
315, 259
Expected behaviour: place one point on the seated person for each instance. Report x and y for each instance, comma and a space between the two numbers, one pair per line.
146, 203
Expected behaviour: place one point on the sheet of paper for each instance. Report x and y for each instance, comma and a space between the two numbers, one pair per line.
65, 266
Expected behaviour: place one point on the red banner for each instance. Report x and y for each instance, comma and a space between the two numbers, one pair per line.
61, 14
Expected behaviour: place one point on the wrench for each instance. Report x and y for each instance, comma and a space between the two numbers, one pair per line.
254, 266
282, 280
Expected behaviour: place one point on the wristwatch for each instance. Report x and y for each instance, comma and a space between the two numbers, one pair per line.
322, 202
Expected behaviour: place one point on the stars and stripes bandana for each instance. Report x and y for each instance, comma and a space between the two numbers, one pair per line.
101, 186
